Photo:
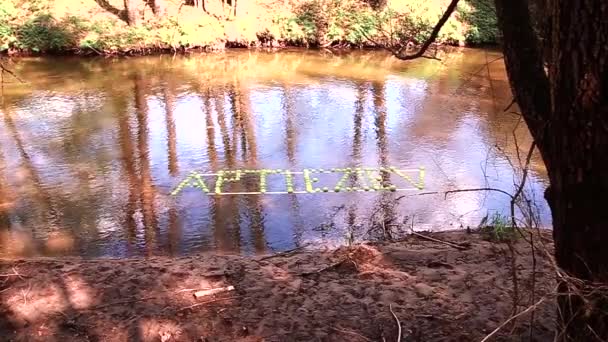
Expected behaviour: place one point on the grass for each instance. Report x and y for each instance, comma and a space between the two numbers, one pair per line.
499, 229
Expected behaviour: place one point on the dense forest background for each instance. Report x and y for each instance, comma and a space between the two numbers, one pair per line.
143, 26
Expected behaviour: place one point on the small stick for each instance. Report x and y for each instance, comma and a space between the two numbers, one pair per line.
462, 248
15, 273
349, 332
533, 307
210, 292
390, 307
207, 302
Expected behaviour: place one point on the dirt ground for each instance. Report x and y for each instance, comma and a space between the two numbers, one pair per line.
437, 293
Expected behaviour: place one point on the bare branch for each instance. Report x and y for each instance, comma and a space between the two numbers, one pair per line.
446, 15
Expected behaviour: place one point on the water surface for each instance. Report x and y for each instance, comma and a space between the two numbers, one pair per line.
90, 149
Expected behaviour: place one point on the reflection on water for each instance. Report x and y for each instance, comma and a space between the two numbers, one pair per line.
90, 149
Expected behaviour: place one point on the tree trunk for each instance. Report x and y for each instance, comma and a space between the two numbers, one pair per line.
567, 113
577, 163
133, 9
158, 7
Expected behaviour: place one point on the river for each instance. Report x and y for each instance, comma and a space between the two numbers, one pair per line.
91, 149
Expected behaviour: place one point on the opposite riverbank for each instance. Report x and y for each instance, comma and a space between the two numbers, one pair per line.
135, 27
429, 290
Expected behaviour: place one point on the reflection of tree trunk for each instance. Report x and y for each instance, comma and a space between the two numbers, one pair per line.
6, 197
130, 169
174, 231
171, 134
386, 198
243, 114
220, 226
291, 145
380, 122
148, 191
43, 196
358, 119
221, 120
290, 130
174, 223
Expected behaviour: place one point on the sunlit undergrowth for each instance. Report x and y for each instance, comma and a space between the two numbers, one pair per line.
82, 26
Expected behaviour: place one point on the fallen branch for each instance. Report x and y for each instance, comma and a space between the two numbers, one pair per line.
204, 293
451, 244
207, 302
390, 307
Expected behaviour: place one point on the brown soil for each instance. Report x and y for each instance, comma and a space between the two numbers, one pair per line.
438, 293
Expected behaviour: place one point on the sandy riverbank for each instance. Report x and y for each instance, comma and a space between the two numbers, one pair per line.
438, 293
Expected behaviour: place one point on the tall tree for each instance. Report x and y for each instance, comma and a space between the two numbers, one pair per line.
566, 109
133, 9
158, 7
563, 96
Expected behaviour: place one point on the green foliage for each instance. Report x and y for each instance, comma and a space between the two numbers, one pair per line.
299, 30
480, 16
29, 26
7, 10
499, 229
43, 33
7, 35
327, 22
415, 19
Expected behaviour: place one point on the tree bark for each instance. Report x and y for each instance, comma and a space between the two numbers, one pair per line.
133, 9
566, 109
158, 7
576, 151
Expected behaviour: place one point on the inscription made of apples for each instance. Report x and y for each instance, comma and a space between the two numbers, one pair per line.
307, 181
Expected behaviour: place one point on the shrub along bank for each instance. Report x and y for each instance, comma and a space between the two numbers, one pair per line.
110, 27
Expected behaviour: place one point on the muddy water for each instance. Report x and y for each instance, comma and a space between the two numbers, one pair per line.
90, 149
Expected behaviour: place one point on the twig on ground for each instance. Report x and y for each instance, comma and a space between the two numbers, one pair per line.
451, 244
350, 332
532, 307
207, 302
304, 274
26, 293
14, 274
284, 253
390, 307
210, 292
